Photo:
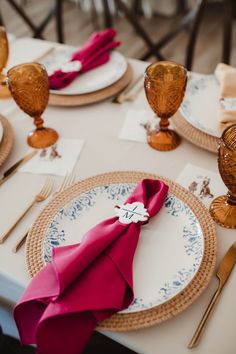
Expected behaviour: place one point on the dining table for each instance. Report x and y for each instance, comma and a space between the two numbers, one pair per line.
99, 125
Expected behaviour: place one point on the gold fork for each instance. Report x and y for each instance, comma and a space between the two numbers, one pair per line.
67, 181
41, 196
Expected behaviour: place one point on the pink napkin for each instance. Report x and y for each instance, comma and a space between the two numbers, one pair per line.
93, 54
85, 283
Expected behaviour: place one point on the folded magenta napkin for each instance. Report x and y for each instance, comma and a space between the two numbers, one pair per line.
93, 54
85, 283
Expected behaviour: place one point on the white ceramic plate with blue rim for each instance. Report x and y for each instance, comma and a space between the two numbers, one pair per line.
201, 102
91, 81
176, 253
170, 248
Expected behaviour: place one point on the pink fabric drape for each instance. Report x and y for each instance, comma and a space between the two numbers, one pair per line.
93, 54
85, 283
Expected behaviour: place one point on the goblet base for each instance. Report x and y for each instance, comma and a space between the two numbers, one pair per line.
4, 91
163, 140
42, 138
223, 213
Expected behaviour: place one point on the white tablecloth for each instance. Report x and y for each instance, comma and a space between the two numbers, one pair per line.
99, 126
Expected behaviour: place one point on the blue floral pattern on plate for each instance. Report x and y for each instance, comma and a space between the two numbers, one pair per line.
197, 91
191, 235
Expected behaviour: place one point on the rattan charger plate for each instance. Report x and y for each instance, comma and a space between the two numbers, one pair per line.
7, 139
93, 97
144, 318
194, 135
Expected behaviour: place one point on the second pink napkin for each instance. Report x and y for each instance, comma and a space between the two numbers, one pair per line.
94, 53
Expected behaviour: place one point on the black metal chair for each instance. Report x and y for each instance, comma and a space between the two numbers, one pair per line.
1, 340
56, 11
1, 20
227, 19
193, 17
190, 20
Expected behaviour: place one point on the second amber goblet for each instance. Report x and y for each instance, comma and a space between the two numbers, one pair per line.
165, 83
28, 84
223, 208
4, 52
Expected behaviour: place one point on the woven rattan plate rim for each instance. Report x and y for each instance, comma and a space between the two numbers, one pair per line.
194, 135
7, 139
93, 97
145, 318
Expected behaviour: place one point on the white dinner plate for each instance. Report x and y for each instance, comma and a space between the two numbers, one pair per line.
201, 103
1, 131
91, 81
170, 248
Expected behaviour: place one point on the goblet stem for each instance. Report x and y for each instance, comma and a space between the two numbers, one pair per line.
223, 211
231, 199
38, 122
3, 79
41, 137
163, 139
4, 91
164, 123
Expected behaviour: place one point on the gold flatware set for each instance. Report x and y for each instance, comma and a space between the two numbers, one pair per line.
13, 169
67, 182
42, 195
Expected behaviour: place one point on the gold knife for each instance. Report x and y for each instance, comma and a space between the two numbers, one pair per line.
223, 273
13, 169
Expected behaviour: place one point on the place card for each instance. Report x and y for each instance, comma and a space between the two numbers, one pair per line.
203, 183
137, 123
131, 212
58, 159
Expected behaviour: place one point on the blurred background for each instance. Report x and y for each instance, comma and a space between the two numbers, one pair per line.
196, 33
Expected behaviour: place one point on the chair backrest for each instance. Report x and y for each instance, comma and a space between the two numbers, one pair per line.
1, 20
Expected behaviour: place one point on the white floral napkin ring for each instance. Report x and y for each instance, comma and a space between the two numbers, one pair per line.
71, 66
133, 212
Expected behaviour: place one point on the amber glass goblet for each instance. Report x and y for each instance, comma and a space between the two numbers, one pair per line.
4, 52
165, 83
28, 84
223, 208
